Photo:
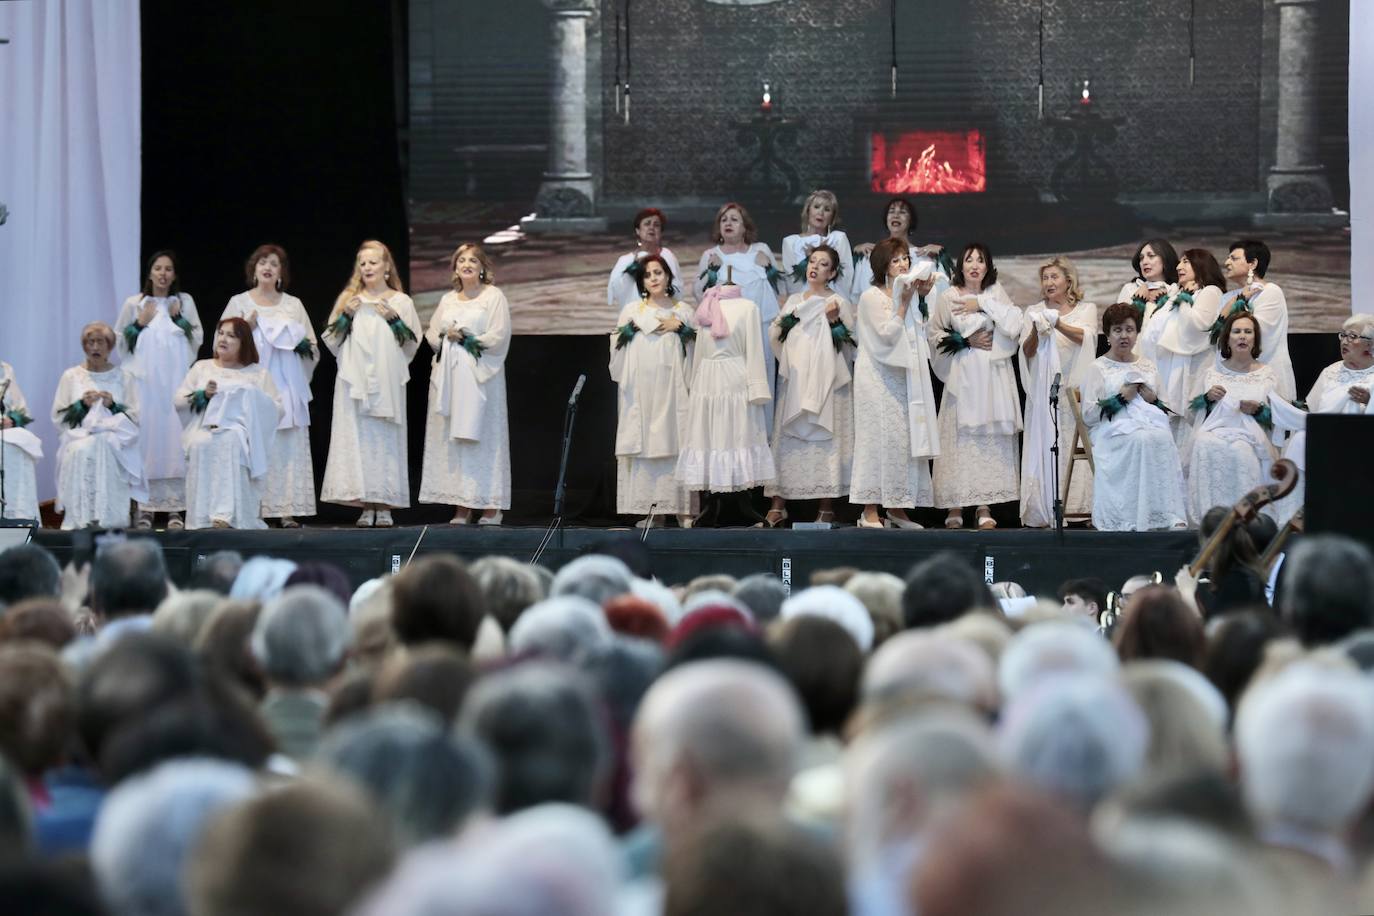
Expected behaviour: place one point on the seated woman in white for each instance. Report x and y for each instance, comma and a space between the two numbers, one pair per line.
1138, 485
819, 215
1175, 333
466, 462
22, 450
622, 288
813, 423
230, 408
1230, 452
99, 463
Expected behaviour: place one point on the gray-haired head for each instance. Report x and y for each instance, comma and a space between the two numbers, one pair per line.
837, 605
623, 670
182, 615
660, 596
148, 827
565, 627
301, 636
596, 577
763, 594
218, 571
1053, 647
509, 586
917, 665
1328, 588
428, 780
128, 577
546, 732
1077, 736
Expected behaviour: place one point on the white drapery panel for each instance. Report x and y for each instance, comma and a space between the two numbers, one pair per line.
70, 174
1361, 159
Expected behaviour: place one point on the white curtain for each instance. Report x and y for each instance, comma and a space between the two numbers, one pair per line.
1361, 159
70, 176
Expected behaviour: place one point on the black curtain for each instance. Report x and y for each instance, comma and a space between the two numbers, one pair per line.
276, 122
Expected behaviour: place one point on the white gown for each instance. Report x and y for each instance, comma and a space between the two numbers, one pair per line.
1230, 453
1139, 481
1176, 337
726, 446
367, 442
813, 418
99, 462
621, 289
289, 489
22, 451
1270, 308
1056, 354
1329, 394
159, 360
797, 248
652, 410
752, 279
898, 435
980, 410
467, 434
228, 444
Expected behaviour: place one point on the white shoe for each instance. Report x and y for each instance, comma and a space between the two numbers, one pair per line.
383, 519
904, 523
865, 523
491, 520
686, 521
367, 519
461, 517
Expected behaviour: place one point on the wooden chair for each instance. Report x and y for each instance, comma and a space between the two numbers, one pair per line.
1080, 448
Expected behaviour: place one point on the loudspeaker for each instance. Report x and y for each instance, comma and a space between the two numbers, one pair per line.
1339, 498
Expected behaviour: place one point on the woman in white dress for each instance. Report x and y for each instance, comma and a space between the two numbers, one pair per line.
1246, 264
973, 335
1138, 485
900, 221
230, 407
651, 352
739, 258
22, 450
726, 446
1059, 341
1175, 333
622, 288
160, 333
373, 332
287, 348
1156, 275
467, 439
1230, 452
99, 463
898, 434
813, 423
819, 216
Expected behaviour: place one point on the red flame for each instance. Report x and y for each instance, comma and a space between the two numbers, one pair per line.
929, 162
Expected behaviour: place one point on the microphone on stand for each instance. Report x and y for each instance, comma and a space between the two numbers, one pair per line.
1054, 386
577, 390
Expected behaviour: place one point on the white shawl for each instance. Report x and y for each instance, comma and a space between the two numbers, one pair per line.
244, 409
281, 335
372, 367
460, 386
908, 350
122, 434
814, 370
973, 374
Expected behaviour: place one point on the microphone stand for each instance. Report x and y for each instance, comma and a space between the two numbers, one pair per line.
4, 503
1054, 462
569, 420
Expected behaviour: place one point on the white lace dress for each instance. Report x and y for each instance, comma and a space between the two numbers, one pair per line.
980, 410
367, 441
99, 463
652, 410
161, 354
467, 433
1230, 452
228, 443
1139, 481
22, 451
891, 394
289, 489
813, 457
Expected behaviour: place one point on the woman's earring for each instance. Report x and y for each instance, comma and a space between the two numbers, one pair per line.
482, 276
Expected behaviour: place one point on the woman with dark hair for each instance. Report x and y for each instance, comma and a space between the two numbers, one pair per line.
1156, 275
1233, 580
819, 216
1174, 332
623, 287
1246, 264
1160, 625
287, 348
1138, 484
466, 462
974, 334
160, 333
813, 426
892, 393
230, 408
1230, 451
899, 222
651, 353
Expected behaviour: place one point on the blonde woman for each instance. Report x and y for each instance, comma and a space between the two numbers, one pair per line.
1059, 339
819, 217
373, 332
467, 439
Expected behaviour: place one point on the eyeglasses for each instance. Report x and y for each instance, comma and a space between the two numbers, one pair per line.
1351, 337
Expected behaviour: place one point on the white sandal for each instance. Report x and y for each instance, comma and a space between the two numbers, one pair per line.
368, 519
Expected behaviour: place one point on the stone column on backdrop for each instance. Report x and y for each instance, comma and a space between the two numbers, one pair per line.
567, 197
1298, 188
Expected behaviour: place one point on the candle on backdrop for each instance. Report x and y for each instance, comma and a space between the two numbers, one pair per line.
767, 105
1087, 98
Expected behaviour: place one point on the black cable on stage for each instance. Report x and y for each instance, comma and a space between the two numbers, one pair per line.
892, 13
1040, 89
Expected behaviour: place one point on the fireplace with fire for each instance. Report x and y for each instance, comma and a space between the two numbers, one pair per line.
927, 162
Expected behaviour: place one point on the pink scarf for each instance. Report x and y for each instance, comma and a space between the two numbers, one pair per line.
709, 313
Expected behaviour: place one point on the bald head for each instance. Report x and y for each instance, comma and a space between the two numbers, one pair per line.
714, 729
920, 664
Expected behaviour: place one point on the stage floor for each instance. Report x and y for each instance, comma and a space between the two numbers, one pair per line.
1033, 558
